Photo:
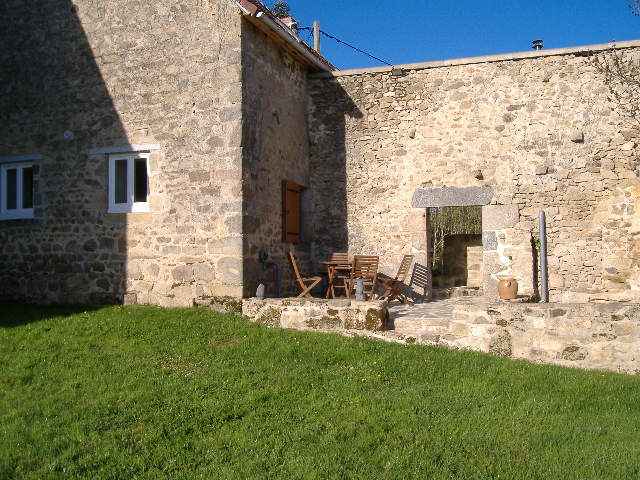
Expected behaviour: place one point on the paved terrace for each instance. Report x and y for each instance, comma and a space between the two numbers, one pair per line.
432, 317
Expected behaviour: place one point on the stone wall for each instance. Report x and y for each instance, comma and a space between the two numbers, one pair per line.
275, 149
588, 335
110, 74
538, 131
597, 336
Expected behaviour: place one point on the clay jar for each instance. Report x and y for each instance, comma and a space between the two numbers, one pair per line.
507, 288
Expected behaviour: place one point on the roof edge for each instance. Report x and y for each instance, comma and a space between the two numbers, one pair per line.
581, 50
255, 9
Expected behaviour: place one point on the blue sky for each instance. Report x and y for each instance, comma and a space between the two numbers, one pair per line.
425, 30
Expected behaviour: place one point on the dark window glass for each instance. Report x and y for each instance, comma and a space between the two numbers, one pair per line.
120, 181
27, 187
141, 182
12, 189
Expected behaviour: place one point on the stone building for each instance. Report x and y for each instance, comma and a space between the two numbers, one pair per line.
149, 151
145, 144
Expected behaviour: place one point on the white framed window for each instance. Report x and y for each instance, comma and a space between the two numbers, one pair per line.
129, 182
16, 190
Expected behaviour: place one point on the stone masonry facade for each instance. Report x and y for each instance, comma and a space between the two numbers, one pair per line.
536, 131
275, 149
216, 104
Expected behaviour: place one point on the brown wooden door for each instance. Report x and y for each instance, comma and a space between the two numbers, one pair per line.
291, 201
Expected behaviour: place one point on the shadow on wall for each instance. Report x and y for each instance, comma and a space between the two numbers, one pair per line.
329, 230
55, 106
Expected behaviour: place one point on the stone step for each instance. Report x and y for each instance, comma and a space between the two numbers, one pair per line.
420, 325
456, 292
409, 338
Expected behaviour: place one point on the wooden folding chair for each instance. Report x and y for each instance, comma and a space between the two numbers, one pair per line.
306, 283
392, 286
420, 277
339, 269
365, 268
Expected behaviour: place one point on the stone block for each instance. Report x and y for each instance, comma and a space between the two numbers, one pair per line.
624, 328
225, 246
459, 329
499, 217
500, 344
219, 289
229, 270
489, 241
537, 322
182, 274
203, 272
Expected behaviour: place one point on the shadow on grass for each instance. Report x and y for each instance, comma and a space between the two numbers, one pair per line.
16, 315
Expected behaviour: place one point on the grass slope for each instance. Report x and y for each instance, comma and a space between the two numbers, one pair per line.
142, 392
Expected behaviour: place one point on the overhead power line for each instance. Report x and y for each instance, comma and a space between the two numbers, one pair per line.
348, 45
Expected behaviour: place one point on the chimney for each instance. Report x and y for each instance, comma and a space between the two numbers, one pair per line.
537, 44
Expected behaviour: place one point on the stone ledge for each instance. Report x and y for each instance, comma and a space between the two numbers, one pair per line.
317, 314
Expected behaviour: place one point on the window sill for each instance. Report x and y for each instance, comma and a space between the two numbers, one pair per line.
138, 208
22, 216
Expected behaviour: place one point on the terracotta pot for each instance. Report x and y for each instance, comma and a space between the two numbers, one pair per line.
508, 288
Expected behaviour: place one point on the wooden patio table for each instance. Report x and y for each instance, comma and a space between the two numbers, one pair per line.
333, 268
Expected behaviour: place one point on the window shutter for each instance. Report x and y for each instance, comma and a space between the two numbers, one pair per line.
291, 196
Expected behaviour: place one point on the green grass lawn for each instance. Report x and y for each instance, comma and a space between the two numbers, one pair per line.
143, 392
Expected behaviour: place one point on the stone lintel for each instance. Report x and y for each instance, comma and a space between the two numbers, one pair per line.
133, 148
451, 197
20, 158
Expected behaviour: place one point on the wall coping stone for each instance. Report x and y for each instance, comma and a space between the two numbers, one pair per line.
580, 50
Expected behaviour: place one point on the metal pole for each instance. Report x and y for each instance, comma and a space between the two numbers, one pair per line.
544, 290
316, 36
427, 254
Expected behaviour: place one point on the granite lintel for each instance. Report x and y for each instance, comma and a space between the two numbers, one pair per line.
451, 197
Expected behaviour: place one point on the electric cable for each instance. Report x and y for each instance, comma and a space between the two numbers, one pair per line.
348, 45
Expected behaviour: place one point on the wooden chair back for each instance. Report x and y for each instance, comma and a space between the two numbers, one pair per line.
393, 288
420, 277
305, 283
403, 270
339, 258
365, 267
338, 273
294, 265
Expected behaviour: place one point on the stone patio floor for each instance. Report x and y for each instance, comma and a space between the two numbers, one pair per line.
427, 317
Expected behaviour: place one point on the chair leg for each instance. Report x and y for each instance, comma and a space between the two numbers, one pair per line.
330, 293
305, 292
